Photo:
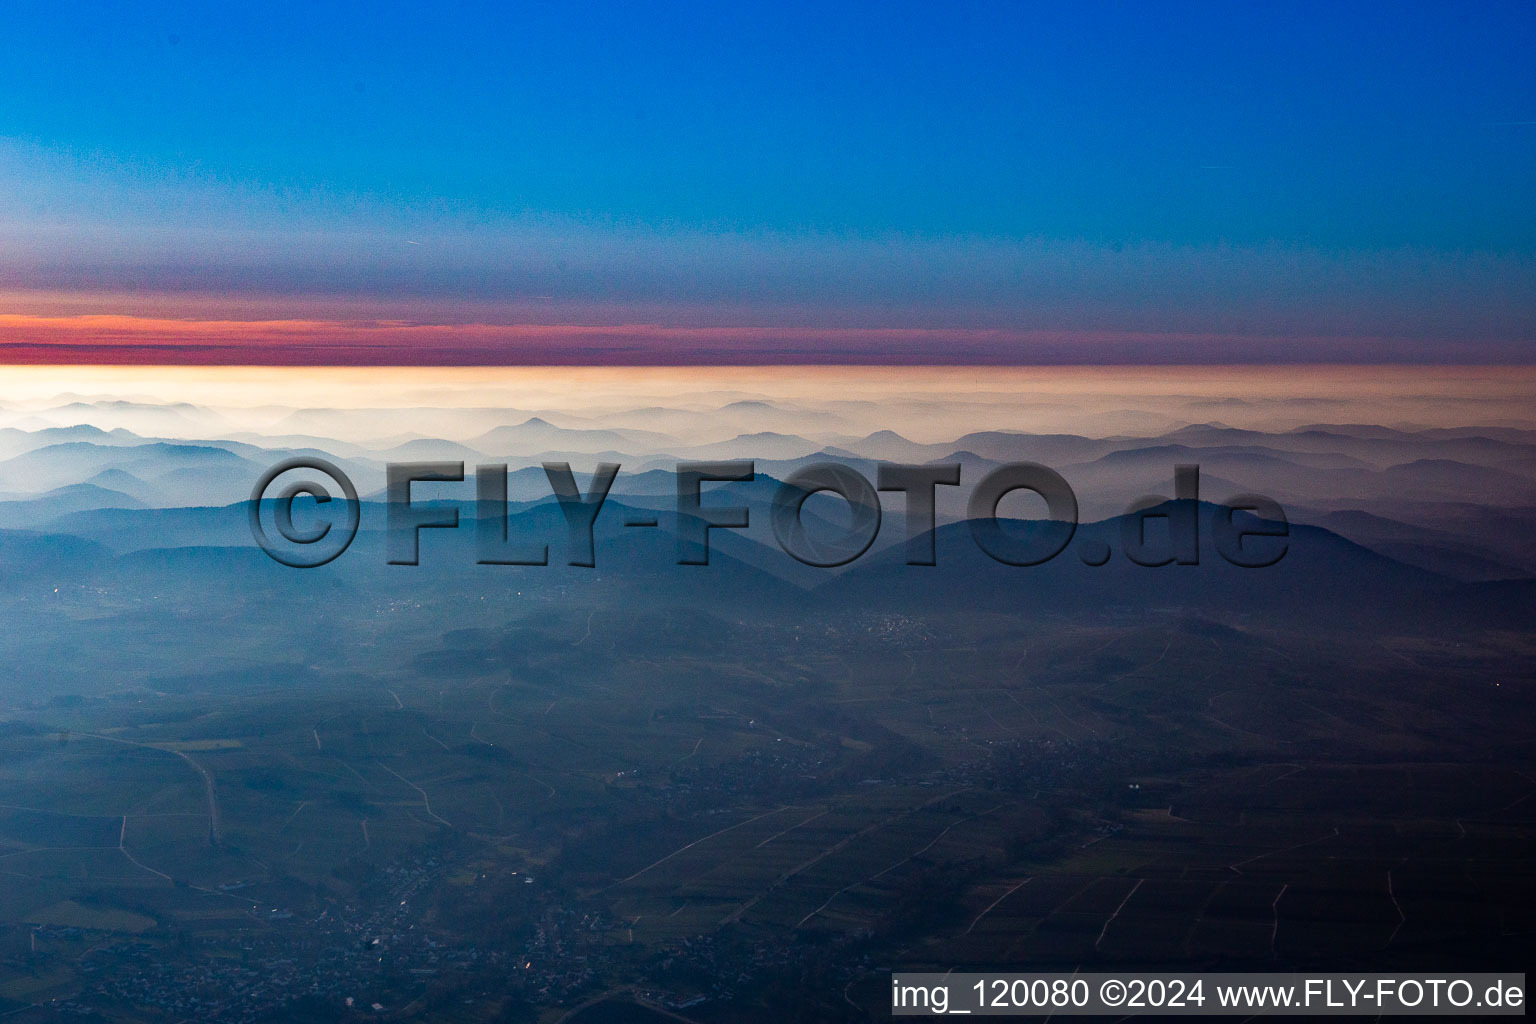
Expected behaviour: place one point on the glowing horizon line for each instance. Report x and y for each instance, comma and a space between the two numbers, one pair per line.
115, 339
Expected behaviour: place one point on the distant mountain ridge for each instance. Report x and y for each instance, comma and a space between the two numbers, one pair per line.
1397, 476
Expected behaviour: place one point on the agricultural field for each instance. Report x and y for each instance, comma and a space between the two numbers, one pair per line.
602, 803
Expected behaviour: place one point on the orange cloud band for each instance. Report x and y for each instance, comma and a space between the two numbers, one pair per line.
135, 340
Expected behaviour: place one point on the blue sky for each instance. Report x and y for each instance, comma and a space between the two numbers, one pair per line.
943, 163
